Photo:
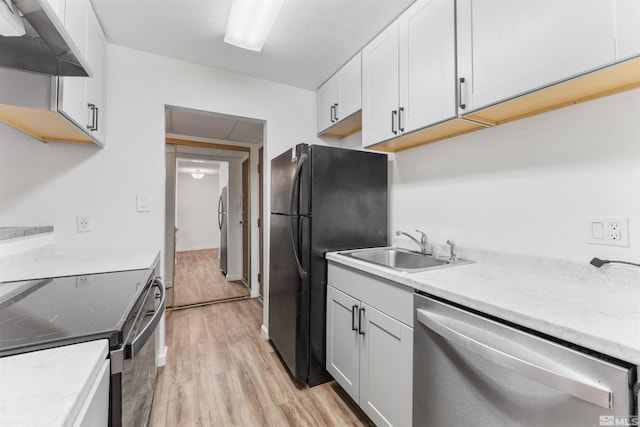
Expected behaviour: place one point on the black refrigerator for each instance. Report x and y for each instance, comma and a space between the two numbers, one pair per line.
323, 199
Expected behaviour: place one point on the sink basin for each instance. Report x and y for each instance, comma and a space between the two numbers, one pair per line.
402, 259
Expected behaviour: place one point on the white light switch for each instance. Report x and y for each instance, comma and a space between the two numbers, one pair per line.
608, 231
143, 202
597, 230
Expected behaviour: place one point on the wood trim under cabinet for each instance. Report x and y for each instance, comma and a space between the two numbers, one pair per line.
346, 127
43, 125
189, 143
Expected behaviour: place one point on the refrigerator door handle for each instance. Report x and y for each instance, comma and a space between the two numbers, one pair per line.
220, 212
301, 272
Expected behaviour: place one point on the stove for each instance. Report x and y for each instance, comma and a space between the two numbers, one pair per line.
124, 307
68, 310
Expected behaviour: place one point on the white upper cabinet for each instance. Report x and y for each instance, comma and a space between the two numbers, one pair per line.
427, 64
510, 47
81, 99
408, 73
627, 19
380, 90
326, 98
339, 99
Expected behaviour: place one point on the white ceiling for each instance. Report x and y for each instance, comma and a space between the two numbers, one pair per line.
204, 124
310, 40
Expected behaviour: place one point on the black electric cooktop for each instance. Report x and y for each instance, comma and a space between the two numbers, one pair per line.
48, 313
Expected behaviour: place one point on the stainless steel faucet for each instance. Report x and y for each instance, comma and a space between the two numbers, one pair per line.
454, 251
423, 243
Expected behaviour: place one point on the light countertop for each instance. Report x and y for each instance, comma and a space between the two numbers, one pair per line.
7, 233
48, 387
56, 265
595, 308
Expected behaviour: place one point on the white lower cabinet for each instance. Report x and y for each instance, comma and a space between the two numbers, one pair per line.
95, 409
370, 353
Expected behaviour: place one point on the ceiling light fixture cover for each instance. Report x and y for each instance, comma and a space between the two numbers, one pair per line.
250, 22
197, 174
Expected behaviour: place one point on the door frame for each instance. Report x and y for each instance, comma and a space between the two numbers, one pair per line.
170, 205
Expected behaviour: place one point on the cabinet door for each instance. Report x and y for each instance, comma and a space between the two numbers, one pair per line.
380, 87
95, 409
326, 98
628, 28
72, 90
350, 88
343, 353
427, 64
386, 369
522, 45
96, 86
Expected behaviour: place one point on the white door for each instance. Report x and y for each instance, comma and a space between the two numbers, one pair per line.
72, 90
427, 64
350, 87
522, 45
380, 87
386, 367
343, 353
96, 86
628, 28
326, 100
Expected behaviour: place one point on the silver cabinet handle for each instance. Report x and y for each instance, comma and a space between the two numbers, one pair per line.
331, 113
360, 313
394, 113
92, 109
95, 127
500, 351
401, 110
335, 112
461, 104
353, 317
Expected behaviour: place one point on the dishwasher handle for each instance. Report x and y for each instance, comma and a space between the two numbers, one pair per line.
497, 350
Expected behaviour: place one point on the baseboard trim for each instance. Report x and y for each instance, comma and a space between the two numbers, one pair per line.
264, 332
231, 278
196, 248
255, 294
162, 357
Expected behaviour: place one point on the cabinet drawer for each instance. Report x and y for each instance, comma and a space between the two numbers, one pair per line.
384, 295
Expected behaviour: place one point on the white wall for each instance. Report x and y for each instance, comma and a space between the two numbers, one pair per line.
197, 205
527, 186
51, 183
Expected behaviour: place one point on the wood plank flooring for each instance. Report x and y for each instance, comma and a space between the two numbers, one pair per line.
198, 279
221, 372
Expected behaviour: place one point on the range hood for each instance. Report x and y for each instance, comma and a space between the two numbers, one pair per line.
46, 47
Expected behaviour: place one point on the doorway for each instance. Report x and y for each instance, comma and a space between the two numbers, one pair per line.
195, 272
202, 201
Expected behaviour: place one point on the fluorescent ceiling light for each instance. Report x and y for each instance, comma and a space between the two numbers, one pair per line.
197, 174
250, 22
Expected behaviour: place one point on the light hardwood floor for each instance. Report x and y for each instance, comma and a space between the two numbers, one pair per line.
198, 279
221, 372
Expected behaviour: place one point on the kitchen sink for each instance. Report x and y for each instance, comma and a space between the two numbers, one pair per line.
403, 259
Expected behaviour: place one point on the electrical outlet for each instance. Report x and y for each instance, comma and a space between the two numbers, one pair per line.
83, 282
608, 231
615, 231
83, 223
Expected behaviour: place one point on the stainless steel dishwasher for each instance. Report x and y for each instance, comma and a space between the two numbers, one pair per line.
471, 370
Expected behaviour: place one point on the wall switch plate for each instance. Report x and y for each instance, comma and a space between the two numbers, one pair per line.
143, 202
83, 223
608, 231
